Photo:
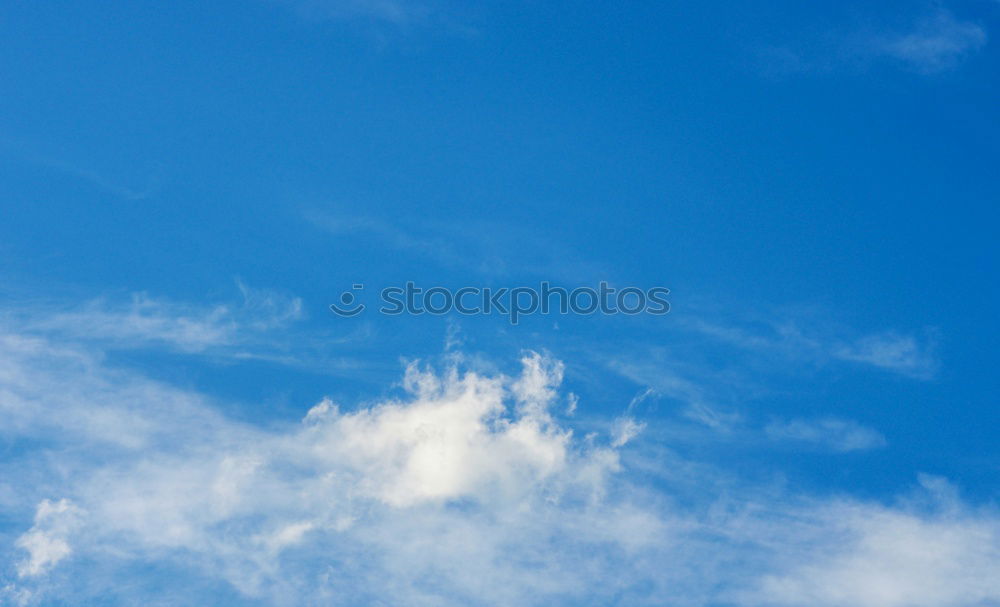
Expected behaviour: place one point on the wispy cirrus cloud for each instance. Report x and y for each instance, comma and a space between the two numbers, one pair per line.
704, 401
664, 377
729, 385
837, 434
148, 321
903, 354
906, 354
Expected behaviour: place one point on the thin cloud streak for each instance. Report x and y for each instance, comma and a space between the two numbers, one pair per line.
836, 434
907, 355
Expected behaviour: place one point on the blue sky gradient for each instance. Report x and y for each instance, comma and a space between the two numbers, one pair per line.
186, 187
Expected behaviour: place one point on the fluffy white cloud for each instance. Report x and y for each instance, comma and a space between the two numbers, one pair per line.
46, 542
466, 489
456, 440
469, 476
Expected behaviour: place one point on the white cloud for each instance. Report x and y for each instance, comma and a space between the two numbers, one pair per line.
938, 42
874, 556
662, 378
59, 392
46, 542
456, 440
624, 430
891, 351
462, 490
900, 353
572, 401
536, 387
836, 434
146, 321
463, 457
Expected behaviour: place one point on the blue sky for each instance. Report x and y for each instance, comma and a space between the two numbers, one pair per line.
185, 188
